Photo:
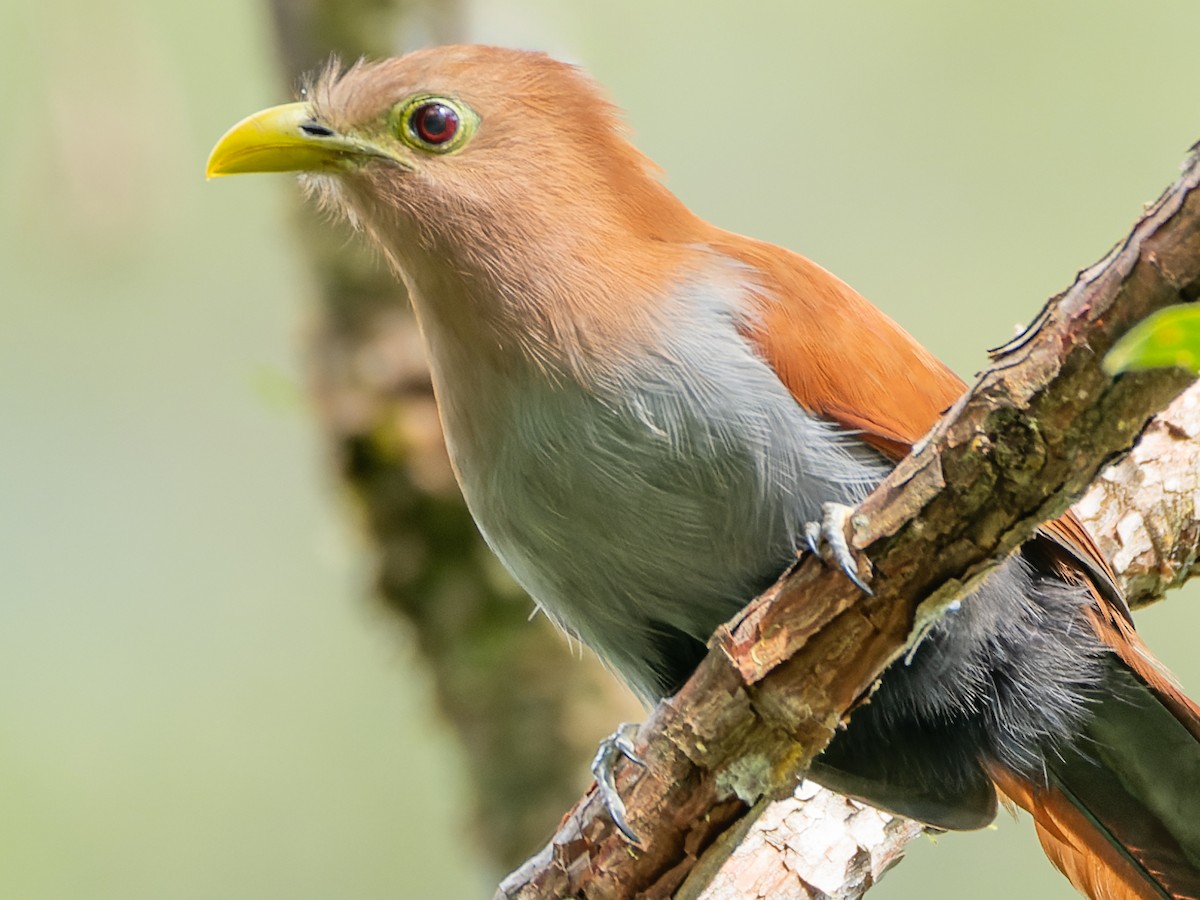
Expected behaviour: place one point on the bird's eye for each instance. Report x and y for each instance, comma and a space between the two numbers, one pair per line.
436, 124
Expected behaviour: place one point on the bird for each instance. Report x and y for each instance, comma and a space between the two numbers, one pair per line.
646, 413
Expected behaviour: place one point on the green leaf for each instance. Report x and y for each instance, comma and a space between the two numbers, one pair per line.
1170, 337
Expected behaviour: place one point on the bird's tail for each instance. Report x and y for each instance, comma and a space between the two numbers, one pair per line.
1118, 811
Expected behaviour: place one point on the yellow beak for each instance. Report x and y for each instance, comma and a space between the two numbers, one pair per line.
285, 139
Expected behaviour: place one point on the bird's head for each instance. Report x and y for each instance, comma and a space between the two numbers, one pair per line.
497, 182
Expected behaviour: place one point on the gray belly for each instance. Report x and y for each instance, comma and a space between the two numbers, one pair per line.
642, 515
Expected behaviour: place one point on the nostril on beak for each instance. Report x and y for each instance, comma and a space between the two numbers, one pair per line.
312, 129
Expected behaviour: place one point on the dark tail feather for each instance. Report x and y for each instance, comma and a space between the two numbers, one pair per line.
1118, 811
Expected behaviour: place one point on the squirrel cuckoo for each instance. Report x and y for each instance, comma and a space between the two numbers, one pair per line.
644, 411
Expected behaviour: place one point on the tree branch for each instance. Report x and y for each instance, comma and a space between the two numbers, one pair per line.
1023, 443
1144, 510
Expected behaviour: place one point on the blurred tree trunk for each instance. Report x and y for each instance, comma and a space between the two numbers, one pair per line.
527, 710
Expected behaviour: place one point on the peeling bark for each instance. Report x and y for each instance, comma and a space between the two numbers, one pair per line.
814, 845
1144, 511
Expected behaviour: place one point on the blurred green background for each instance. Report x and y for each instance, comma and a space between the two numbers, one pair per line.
197, 697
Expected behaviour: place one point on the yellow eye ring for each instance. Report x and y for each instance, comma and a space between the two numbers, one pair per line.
434, 124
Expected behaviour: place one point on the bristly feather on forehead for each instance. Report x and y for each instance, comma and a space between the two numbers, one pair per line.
500, 84
314, 84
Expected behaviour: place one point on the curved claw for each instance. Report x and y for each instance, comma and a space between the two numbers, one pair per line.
612, 748
812, 537
827, 540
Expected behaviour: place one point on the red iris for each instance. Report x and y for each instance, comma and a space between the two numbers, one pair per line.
435, 123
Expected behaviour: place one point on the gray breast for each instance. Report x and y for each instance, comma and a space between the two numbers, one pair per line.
662, 500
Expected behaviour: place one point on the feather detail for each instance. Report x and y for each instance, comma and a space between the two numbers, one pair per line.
1105, 815
1071, 841
841, 357
844, 359
1116, 632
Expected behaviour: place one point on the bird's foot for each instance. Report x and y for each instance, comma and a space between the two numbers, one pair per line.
827, 541
612, 748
